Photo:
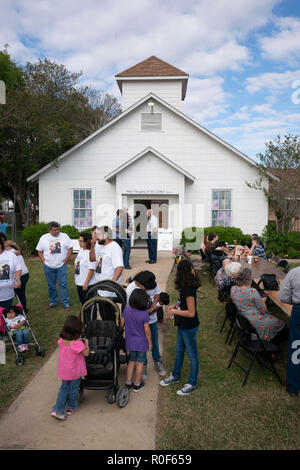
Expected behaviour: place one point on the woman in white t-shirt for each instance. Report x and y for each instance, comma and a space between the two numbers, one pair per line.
84, 268
10, 275
21, 291
146, 280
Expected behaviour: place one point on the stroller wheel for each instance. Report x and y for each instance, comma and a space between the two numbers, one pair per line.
20, 360
111, 396
122, 397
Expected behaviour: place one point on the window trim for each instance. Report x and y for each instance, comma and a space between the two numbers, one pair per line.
85, 208
212, 209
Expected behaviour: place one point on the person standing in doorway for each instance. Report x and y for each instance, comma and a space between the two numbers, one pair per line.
152, 231
125, 235
54, 249
289, 293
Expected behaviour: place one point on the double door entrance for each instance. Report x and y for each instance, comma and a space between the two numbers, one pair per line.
159, 207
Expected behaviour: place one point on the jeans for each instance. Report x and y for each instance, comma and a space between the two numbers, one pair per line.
187, 340
81, 294
22, 336
154, 337
20, 292
293, 359
152, 247
6, 303
126, 253
67, 396
60, 275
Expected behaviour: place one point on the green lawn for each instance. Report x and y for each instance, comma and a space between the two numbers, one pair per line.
222, 414
46, 325
219, 415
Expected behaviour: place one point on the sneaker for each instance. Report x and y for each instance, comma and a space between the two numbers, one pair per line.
137, 388
144, 374
158, 365
67, 307
21, 348
168, 381
69, 412
129, 386
186, 389
26, 347
50, 306
57, 415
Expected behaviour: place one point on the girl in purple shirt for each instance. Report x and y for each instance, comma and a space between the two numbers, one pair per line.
137, 336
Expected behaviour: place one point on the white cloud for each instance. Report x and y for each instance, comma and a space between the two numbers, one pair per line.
275, 81
284, 45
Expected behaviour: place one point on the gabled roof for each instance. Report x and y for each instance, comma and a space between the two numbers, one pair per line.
151, 96
129, 162
152, 67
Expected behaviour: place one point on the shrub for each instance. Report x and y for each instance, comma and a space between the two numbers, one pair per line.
33, 233
70, 230
194, 235
285, 246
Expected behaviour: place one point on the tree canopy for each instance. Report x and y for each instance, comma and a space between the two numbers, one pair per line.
282, 160
46, 113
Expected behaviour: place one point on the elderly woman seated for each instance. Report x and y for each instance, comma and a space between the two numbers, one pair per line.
250, 304
231, 270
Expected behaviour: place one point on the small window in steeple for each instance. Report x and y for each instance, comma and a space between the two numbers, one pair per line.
151, 122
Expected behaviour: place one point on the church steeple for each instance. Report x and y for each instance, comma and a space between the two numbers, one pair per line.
152, 75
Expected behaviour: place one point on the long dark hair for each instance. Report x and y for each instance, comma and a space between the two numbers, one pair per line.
146, 279
87, 237
72, 328
185, 277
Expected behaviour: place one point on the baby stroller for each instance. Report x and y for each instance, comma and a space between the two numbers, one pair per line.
105, 341
7, 335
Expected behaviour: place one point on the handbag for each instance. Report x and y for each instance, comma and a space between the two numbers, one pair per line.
270, 281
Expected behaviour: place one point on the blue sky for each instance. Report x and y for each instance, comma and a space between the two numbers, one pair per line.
242, 57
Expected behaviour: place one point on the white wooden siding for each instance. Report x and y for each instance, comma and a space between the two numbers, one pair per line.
212, 164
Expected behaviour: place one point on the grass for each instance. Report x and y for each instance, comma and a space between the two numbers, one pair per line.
219, 415
222, 414
46, 325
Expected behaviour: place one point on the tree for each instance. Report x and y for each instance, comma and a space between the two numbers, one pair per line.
46, 113
282, 160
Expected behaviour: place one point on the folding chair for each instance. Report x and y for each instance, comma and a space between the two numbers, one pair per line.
230, 315
284, 264
255, 348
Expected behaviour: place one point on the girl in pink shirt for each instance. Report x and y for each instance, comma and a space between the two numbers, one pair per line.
71, 366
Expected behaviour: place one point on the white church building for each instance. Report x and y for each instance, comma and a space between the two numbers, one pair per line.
152, 155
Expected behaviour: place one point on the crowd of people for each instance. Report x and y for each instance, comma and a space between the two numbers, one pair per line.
234, 283
101, 257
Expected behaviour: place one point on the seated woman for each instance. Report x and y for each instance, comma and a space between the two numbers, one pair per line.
221, 275
257, 248
209, 243
217, 256
232, 269
250, 304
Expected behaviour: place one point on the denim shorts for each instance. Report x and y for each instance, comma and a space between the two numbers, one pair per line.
137, 356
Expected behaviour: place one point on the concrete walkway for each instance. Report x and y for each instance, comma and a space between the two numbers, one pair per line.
96, 425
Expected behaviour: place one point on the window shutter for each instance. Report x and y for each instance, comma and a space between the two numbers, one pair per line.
151, 122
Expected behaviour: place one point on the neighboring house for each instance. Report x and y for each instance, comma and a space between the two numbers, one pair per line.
151, 154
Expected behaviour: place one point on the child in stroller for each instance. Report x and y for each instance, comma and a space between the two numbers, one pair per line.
17, 325
16, 322
105, 341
